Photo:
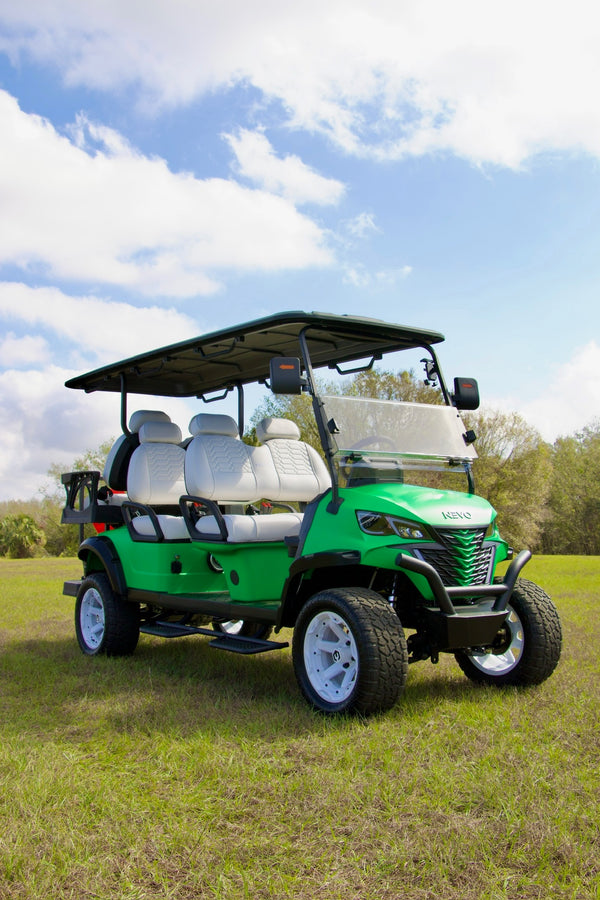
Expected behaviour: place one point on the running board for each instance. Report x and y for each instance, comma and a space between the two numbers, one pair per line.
235, 643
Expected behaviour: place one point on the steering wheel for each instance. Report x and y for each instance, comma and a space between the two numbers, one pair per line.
373, 439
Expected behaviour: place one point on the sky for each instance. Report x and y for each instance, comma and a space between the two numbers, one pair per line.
172, 167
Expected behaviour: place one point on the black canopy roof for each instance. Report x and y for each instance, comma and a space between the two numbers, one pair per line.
241, 354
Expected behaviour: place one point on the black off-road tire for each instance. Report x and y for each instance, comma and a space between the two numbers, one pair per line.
349, 652
527, 649
105, 624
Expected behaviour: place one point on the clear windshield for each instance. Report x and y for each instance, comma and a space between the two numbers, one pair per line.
385, 440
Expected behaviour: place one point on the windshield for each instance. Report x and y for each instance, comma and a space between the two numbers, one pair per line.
386, 440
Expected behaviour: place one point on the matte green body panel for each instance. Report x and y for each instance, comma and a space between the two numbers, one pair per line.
252, 573
426, 506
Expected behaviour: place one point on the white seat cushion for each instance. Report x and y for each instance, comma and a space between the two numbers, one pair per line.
172, 527
242, 529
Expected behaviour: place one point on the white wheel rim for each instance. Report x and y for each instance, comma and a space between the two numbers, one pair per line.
501, 663
331, 657
232, 626
91, 618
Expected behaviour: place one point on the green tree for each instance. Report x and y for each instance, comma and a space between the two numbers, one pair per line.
512, 472
573, 524
20, 536
404, 386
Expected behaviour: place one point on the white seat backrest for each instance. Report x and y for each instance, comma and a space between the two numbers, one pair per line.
221, 467
156, 470
301, 472
117, 461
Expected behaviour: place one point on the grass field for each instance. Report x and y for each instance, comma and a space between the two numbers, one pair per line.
187, 773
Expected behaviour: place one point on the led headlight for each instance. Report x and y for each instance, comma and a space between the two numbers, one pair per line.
384, 525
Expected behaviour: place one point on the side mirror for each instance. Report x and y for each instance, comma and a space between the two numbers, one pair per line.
286, 376
466, 393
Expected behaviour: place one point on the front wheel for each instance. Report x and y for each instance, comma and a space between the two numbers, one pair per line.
104, 623
349, 652
526, 649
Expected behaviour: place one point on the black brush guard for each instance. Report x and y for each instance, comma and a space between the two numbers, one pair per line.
452, 626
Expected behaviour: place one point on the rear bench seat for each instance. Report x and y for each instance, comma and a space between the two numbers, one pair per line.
155, 481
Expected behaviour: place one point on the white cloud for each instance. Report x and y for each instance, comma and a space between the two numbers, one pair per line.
289, 176
361, 225
359, 276
98, 331
571, 400
17, 351
490, 82
95, 210
43, 423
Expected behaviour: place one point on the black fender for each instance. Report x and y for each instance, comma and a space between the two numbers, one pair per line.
98, 552
293, 595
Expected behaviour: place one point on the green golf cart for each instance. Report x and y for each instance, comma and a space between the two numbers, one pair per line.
358, 544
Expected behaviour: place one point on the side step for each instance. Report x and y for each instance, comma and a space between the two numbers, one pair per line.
233, 642
237, 644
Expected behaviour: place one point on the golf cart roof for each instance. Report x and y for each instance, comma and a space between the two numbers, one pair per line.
241, 354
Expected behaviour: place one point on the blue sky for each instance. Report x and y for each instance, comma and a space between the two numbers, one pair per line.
169, 168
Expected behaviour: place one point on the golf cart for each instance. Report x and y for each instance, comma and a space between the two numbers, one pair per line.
354, 545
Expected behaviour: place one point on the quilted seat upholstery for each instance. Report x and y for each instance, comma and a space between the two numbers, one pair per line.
156, 478
301, 473
222, 468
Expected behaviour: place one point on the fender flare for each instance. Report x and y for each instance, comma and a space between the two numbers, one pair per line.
103, 550
291, 596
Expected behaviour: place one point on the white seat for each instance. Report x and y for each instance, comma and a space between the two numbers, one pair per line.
119, 457
156, 478
301, 474
222, 468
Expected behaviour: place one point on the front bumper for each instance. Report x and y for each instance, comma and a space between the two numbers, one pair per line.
452, 626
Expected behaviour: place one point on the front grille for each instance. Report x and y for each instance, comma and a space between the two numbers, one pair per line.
460, 557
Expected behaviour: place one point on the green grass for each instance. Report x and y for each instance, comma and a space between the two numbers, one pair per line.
187, 773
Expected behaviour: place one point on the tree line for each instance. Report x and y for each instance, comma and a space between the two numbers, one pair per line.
547, 496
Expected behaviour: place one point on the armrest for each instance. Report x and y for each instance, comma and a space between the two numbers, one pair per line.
191, 510
129, 507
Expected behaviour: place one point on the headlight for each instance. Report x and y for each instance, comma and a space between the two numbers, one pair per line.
383, 525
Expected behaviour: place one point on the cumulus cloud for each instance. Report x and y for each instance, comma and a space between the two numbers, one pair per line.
97, 330
22, 351
91, 208
571, 400
289, 176
43, 423
493, 83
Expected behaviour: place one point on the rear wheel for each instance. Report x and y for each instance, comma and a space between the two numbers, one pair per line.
242, 628
349, 652
526, 649
104, 623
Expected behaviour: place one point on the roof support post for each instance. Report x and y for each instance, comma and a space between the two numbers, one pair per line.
124, 427
324, 434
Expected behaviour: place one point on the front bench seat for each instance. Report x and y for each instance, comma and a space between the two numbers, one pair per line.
221, 469
301, 472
